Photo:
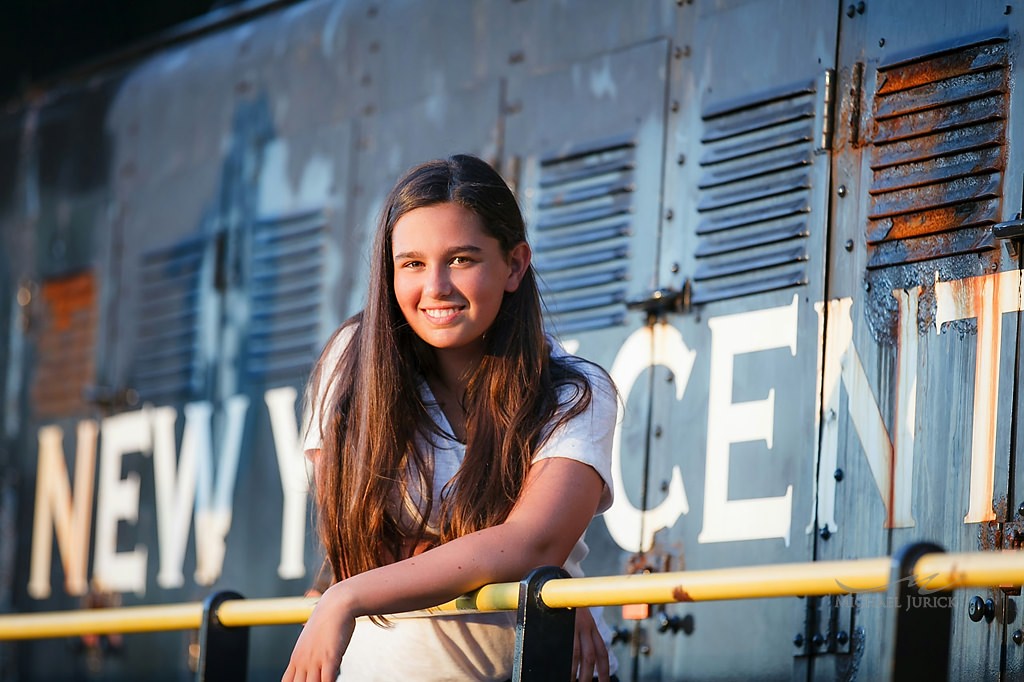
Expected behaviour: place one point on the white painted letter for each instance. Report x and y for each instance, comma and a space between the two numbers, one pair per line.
57, 511
295, 472
214, 504
119, 501
631, 528
891, 464
984, 298
728, 520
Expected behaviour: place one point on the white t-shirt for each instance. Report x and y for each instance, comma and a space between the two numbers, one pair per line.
479, 646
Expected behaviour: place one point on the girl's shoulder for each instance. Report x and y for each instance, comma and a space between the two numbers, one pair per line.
600, 381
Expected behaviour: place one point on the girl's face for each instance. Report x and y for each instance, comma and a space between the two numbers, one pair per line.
451, 276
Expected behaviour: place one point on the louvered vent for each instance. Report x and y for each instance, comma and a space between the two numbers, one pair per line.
754, 191
581, 234
66, 346
937, 154
287, 272
169, 320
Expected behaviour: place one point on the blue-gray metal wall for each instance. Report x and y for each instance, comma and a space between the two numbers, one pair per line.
829, 370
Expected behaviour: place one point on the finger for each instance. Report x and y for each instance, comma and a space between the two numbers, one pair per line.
575, 655
603, 672
587, 653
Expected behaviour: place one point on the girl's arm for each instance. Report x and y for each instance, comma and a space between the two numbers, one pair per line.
556, 505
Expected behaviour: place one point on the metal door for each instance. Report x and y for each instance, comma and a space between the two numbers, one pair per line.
734, 412
919, 355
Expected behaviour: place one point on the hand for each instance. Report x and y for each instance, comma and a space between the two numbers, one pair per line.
323, 640
589, 653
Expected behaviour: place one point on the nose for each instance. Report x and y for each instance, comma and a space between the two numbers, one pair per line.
439, 282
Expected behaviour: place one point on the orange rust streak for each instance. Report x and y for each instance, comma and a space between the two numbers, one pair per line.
977, 59
936, 220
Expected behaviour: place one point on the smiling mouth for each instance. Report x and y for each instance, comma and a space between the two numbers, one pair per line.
441, 315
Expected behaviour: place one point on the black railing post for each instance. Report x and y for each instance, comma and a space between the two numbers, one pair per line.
544, 636
918, 625
223, 651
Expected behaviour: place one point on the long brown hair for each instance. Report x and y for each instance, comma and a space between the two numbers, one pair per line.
374, 414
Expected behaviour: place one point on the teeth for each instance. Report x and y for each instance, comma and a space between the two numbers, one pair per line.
439, 313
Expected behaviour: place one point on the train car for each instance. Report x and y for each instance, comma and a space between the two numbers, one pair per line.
787, 228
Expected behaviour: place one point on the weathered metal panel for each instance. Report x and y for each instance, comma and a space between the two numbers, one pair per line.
745, 222
920, 172
599, 123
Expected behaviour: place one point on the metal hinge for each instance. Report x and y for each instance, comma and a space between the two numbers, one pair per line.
828, 113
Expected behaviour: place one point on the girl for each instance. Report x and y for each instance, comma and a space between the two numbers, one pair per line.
453, 444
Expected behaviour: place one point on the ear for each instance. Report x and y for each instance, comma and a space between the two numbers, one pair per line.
519, 261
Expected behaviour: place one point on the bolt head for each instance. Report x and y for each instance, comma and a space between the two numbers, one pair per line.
976, 609
838, 474
798, 641
825, 533
1018, 636
842, 637
818, 640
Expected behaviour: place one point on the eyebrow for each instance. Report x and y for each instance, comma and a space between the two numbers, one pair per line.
465, 248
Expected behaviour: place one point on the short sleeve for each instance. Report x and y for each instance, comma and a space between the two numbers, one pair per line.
588, 436
313, 434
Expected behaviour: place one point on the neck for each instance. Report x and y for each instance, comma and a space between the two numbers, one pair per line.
454, 367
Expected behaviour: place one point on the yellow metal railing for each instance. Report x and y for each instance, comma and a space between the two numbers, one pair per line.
932, 571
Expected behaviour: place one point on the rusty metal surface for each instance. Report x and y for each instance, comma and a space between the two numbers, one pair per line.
65, 331
938, 154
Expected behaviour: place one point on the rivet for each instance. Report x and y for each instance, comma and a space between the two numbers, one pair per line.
664, 486
674, 268
675, 105
1020, 509
825, 533
818, 640
798, 641
842, 637
841, 190
881, 42
838, 474
1018, 635
976, 609
681, 159
861, 7
669, 214
850, 11
657, 432
678, 52
848, 245
1007, 11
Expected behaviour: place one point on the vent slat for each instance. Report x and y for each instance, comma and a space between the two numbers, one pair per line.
973, 59
943, 168
934, 220
940, 144
942, 93
747, 241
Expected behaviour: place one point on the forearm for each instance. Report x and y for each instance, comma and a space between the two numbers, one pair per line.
499, 554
